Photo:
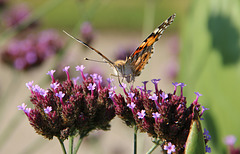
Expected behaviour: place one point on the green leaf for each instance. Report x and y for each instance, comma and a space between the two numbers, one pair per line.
195, 142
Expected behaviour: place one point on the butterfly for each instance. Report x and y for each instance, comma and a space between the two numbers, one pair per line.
134, 64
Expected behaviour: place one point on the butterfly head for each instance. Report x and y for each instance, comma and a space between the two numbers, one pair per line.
123, 69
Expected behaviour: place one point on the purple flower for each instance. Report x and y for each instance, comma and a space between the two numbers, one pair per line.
22, 107
208, 149
230, 140
94, 76
29, 85
197, 96
31, 51
51, 74
60, 94
131, 106
27, 111
80, 68
164, 96
155, 81
75, 80
66, 68
91, 86
87, 32
48, 109
141, 114
203, 110
173, 116
16, 15
206, 134
154, 97
67, 108
169, 148
131, 95
156, 115
182, 85
54, 85
145, 84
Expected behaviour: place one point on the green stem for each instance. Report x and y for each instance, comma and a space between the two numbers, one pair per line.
62, 146
156, 144
135, 139
71, 144
78, 144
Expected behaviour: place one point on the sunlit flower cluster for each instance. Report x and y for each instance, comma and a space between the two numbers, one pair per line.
162, 115
68, 108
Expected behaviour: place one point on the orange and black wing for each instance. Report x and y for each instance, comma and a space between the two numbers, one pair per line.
139, 58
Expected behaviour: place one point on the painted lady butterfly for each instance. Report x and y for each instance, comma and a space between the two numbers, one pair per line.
134, 64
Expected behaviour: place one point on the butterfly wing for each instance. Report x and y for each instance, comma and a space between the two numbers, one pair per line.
139, 58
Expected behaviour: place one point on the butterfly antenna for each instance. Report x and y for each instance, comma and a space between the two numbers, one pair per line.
95, 50
95, 60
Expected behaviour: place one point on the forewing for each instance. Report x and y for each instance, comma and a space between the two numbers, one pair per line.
139, 58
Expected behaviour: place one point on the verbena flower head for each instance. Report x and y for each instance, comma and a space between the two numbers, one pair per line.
230, 141
67, 108
31, 51
15, 15
87, 32
164, 116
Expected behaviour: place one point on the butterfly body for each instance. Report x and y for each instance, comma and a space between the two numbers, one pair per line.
135, 63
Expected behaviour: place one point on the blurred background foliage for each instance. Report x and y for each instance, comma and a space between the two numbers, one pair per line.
210, 64
209, 34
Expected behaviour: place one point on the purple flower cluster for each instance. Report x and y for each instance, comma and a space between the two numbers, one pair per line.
230, 140
87, 32
66, 108
15, 15
33, 50
161, 115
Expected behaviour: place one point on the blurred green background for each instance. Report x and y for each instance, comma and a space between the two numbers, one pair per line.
204, 42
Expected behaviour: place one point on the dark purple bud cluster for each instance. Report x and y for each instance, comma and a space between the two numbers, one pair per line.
163, 116
33, 50
68, 107
87, 32
15, 15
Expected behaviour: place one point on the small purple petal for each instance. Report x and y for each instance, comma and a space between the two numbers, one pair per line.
154, 97
175, 84
141, 114
27, 110
230, 140
48, 109
60, 94
156, 115
54, 85
131, 106
131, 95
208, 149
170, 148
155, 81
66, 68
29, 85
182, 85
198, 94
206, 134
91, 86
163, 95
22, 107
51, 72
80, 68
